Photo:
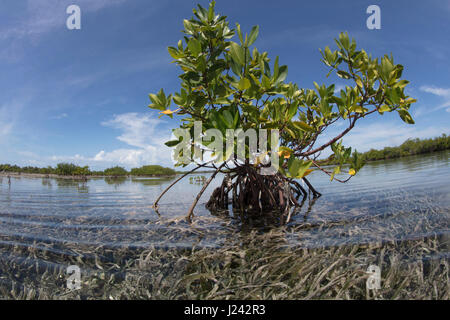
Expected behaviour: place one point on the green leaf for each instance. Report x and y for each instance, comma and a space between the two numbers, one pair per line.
211, 11
359, 83
236, 118
172, 143
343, 74
162, 97
253, 35
282, 74
195, 47
303, 126
325, 107
384, 108
174, 53
188, 27
293, 166
386, 68
237, 53
297, 168
291, 133
222, 100
265, 82
238, 28
343, 38
394, 95
292, 110
154, 98
275, 69
336, 170
357, 108
228, 118
157, 103
244, 84
406, 117
401, 84
236, 67
328, 55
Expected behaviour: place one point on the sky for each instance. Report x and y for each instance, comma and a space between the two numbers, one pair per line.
81, 96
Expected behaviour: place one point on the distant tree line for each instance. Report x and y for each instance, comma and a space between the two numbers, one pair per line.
70, 169
408, 148
152, 170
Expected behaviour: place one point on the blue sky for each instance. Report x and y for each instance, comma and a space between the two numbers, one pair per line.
82, 95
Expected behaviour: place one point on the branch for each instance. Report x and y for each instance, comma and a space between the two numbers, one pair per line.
191, 209
343, 133
155, 204
328, 172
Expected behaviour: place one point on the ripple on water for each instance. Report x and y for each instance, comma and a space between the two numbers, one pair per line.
399, 199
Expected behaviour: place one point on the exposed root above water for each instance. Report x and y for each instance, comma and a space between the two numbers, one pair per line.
251, 194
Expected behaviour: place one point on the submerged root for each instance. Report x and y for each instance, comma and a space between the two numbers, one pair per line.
253, 194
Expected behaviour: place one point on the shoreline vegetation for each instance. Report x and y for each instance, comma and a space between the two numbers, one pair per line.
71, 171
410, 147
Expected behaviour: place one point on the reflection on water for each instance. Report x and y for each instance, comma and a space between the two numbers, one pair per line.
69, 184
152, 181
116, 181
388, 200
47, 182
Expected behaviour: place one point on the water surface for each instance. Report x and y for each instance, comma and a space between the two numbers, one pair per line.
399, 199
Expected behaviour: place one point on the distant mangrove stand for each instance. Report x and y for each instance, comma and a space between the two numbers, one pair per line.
410, 147
72, 170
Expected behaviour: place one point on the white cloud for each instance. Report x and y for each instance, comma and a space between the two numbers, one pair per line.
39, 18
140, 131
117, 65
417, 112
338, 88
318, 34
76, 157
59, 116
27, 154
129, 157
380, 135
5, 123
10, 112
42, 16
440, 92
